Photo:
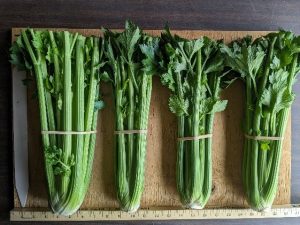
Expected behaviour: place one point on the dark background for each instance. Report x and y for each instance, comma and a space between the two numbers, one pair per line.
181, 14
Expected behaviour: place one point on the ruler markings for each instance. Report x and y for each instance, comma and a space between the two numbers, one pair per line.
88, 215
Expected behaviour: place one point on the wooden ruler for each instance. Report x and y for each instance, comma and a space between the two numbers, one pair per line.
90, 215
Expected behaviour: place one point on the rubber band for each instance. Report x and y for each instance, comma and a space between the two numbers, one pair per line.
264, 138
131, 132
68, 132
204, 136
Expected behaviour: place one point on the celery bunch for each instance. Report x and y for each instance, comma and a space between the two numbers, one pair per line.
66, 71
195, 74
131, 63
268, 66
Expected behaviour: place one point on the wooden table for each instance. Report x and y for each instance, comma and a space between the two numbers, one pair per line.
213, 14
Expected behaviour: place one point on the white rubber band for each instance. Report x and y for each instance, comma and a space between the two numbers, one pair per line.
68, 132
204, 136
263, 138
131, 132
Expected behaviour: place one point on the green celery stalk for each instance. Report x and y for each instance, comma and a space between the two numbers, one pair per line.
27, 45
193, 70
66, 67
131, 57
67, 108
271, 64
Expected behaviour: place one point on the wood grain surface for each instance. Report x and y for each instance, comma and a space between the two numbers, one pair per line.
185, 14
160, 179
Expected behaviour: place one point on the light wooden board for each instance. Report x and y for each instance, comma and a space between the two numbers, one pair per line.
160, 184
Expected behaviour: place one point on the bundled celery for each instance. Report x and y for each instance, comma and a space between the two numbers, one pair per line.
131, 64
65, 67
194, 73
268, 66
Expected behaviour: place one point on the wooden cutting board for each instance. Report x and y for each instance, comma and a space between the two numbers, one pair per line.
160, 183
